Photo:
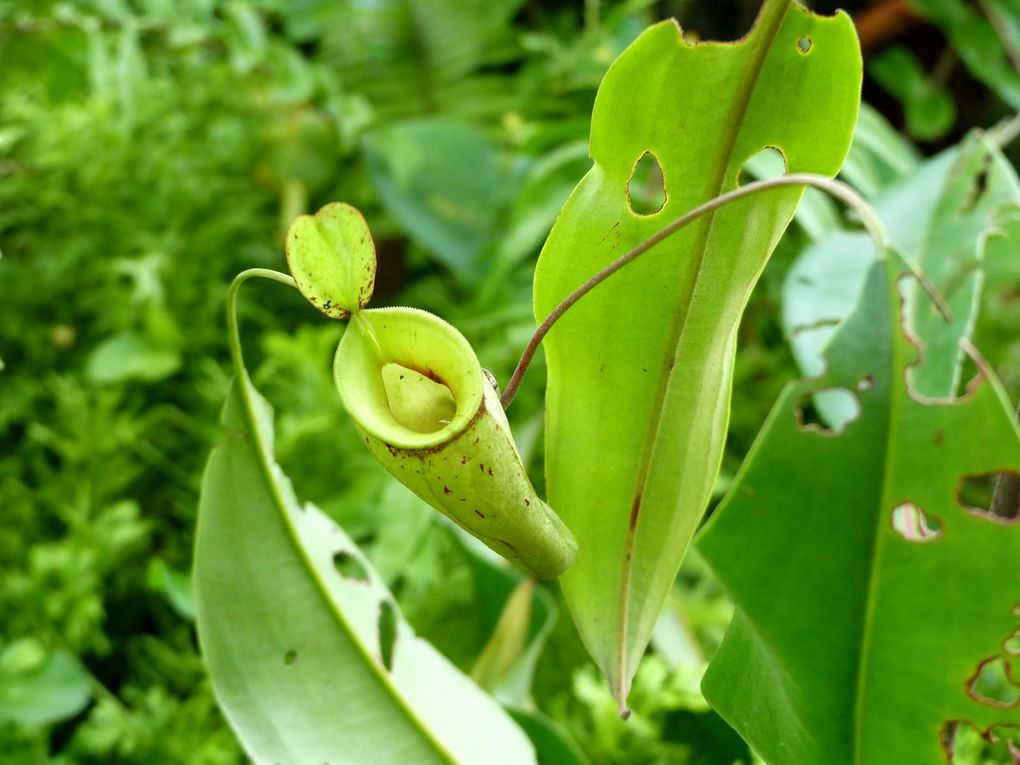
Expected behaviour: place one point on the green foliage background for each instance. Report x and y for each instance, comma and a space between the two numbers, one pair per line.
151, 149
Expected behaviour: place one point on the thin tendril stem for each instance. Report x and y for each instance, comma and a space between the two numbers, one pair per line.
834, 188
233, 334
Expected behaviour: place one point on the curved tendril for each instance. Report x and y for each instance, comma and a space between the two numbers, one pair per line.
233, 334
830, 186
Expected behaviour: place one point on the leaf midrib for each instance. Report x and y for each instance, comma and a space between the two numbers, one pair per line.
896, 393
769, 23
265, 464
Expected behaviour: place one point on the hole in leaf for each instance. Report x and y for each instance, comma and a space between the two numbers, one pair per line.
417, 402
804, 45
913, 524
992, 496
646, 189
767, 163
866, 383
349, 567
387, 633
828, 411
992, 685
290, 657
1011, 645
966, 744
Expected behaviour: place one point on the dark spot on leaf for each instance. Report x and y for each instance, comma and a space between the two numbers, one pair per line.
977, 189
527, 502
646, 189
913, 524
992, 685
939, 435
489, 470
479, 513
387, 633
446, 490
290, 657
635, 510
481, 467
349, 567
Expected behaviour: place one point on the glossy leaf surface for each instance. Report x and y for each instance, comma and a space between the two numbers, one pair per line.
309, 656
640, 370
868, 593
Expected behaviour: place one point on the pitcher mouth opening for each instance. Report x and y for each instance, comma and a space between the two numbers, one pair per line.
407, 377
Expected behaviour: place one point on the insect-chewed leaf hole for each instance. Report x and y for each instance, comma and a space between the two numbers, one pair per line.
992, 685
804, 45
913, 524
387, 633
349, 567
992, 496
1011, 645
961, 739
768, 163
646, 189
828, 411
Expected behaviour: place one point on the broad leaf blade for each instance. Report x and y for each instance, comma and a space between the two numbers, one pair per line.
640, 370
309, 656
854, 642
942, 215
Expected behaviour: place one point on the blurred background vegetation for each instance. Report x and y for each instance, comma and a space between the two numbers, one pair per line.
151, 149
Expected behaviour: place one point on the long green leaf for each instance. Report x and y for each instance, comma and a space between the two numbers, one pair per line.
868, 594
308, 653
640, 371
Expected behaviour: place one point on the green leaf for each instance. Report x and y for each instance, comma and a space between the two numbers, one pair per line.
39, 689
495, 586
640, 370
553, 744
411, 57
929, 109
311, 664
942, 215
868, 592
448, 185
174, 585
879, 155
987, 38
131, 356
332, 258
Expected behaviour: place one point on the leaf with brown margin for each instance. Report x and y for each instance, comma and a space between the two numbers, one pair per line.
867, 595
640, 370
332, 257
